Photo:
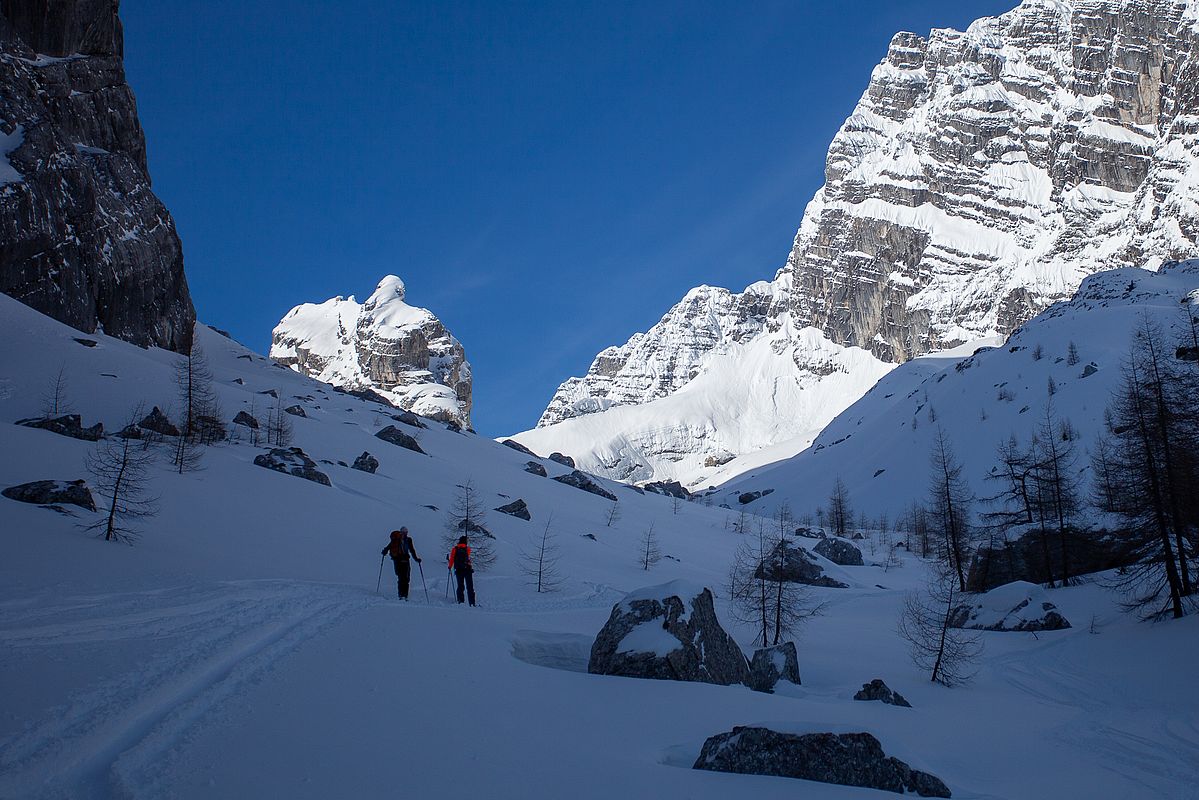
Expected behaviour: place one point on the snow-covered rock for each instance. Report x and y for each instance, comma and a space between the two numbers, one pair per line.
839, 552
881, 692
982, 176
67, 425
1017, 606
366, 463
770, 665
794, 564
74, 493
292, 461
384, 345
668, 632
848, 759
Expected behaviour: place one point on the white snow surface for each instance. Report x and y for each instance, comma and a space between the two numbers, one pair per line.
880, 445
239, 648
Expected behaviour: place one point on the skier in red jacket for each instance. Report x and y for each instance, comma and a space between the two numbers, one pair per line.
463, 569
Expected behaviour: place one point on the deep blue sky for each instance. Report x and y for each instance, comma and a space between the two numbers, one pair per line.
547, 178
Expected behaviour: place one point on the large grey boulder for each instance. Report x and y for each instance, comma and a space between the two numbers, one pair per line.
839, 552
518, 447
292, 461
1017, 606
535, 468
67, 425
83, 239
745, 498
668, 632
581, 480
365, 463
517, 508
668, 488
246, 419
771, 665
395, 436
564, 460
47, 493
847, 759
794, 564
157, 422
877, 690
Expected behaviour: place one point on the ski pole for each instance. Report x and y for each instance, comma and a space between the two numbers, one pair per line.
425, 586
379, 582
449, 573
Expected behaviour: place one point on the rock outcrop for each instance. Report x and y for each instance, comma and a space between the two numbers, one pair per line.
839, 552
83, 239
983, 174
581, 480
771, 665
668, 632
517, 508
365, 463
401, 353
848, 759
1018, 606
292, 461
75, 493
794, 564
394, 435
67, 425
881, 692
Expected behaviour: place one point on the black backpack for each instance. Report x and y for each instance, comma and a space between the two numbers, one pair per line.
461, 557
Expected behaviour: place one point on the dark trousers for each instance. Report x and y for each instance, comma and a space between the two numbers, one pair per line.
466, 578
403, 573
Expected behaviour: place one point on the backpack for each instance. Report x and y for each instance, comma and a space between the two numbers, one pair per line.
461, 557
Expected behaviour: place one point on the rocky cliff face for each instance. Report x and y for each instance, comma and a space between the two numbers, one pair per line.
385, 345
981, 177
82, 237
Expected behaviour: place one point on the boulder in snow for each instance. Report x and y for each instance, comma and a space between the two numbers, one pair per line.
839, 552
67, 425
517, 446
668, 488
397, 437
565, 461
581, 480
847, 759
1018, 606
365, 463
295, 411
794, 564
44, 493
536, 469
517, 508
745, 498
248, 420
1028, 559
771, 665
877, 690
292, 461
157, 422
408, 418
668, 632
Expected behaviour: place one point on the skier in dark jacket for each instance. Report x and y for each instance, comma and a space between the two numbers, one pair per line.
463, 569
401, 551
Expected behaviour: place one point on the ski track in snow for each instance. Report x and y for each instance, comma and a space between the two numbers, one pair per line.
113, 737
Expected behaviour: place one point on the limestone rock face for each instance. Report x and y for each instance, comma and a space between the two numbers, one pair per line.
668, 632
83, 239
983, 174
403, 353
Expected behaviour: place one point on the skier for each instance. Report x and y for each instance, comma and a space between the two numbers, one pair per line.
463, 569
400, 548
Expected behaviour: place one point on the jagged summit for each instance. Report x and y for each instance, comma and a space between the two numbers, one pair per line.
983, 174
400, 351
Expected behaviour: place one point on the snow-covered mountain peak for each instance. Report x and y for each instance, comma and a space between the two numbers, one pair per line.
982, 176
402, 352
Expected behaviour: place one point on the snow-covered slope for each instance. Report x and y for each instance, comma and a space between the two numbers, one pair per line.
239, 648
880, 446
981, 177
385, 345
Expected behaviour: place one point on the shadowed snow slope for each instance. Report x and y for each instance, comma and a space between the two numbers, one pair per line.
880, 446
239, 648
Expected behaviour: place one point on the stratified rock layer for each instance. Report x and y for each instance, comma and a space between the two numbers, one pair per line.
83, 239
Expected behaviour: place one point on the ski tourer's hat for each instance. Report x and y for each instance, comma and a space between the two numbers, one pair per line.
403, 530
461, 540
